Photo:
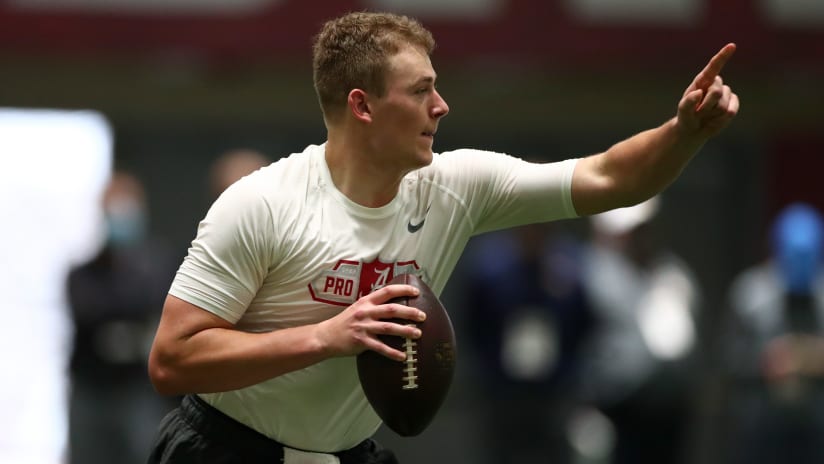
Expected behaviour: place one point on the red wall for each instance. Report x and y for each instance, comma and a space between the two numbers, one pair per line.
532, 31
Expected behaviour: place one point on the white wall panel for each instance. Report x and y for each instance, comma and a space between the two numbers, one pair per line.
667, 12
794, 12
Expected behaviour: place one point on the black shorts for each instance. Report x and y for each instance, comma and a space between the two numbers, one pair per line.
197, 433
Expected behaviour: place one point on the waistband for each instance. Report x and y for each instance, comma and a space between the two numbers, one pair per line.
220, 428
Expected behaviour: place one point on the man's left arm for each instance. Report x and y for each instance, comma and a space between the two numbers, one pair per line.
643, 165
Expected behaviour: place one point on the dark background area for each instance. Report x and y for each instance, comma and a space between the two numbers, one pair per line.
530, 80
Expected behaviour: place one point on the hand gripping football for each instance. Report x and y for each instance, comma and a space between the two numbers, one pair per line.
407, 395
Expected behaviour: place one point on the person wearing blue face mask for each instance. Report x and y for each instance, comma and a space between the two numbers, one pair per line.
776, 346
114, 300
126, 214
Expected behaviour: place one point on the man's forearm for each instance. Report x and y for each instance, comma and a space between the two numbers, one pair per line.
219, 359
647, 163
634, 169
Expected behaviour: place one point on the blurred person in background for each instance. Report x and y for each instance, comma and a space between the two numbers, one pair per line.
232, 165
285, 282
775, 347
640, 364
527, 318
115, 300
55, 166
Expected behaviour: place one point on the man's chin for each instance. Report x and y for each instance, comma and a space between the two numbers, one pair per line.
426, 158
422, 159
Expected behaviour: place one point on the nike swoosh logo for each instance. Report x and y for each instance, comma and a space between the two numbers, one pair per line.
412, 228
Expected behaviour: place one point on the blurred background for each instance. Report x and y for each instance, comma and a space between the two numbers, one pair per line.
180, 83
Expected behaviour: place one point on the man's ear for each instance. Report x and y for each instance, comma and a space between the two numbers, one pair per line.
358, 102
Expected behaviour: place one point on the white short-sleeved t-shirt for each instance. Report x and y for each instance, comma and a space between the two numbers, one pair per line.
283, 247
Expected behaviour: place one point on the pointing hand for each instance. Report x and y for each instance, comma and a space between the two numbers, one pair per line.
708, 105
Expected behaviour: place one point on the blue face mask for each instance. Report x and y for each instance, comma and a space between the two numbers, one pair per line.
797, 236
126, 223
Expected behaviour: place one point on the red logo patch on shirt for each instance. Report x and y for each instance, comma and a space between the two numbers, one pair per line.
349, 280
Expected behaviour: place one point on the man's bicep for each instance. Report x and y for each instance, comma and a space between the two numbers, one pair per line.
593, 191
181, 320
175, 352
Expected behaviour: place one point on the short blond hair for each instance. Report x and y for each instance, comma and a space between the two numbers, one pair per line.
353, 51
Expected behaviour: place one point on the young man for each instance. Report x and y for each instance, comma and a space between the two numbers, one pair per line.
284, 283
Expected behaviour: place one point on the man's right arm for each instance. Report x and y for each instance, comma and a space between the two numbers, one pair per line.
195, 351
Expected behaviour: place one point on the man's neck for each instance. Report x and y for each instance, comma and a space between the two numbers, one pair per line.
357, 176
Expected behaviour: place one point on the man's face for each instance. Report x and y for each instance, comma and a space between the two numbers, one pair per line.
406, 117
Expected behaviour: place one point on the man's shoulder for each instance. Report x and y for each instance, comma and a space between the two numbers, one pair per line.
455, 158
462, 154
299, 159
292, 168
275, 184
461, 162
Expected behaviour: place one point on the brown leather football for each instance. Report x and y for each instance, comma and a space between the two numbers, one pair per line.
407, 395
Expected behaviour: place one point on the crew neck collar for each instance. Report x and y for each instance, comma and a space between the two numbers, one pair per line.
357, 209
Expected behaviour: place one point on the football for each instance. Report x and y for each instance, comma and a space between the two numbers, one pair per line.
408, 394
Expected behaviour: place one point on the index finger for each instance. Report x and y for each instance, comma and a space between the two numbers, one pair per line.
389, 292
707, 75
